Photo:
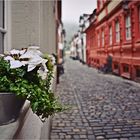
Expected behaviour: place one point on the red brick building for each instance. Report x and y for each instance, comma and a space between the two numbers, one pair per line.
115, 30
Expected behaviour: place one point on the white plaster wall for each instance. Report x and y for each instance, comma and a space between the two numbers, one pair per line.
48, 27
33, 23
25, 23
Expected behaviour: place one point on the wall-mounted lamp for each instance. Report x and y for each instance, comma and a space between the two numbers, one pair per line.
125, 5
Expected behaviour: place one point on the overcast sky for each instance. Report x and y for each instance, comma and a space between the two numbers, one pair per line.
72, 9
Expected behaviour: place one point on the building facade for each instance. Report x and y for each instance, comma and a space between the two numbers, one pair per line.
25, 23
116, 32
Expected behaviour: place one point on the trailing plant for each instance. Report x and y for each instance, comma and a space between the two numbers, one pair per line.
29, 76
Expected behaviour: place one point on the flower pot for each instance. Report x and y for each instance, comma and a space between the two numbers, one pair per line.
10, 106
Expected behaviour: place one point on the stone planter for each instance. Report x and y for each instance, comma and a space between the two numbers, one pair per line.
10, 106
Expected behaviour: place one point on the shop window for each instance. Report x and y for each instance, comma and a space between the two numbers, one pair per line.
103, 38
128, 27
117, 27
110, 35
1, 26
126, 68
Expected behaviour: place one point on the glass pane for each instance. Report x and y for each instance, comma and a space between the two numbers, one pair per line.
1, 42
1, 13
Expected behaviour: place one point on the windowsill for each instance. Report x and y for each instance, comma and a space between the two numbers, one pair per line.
126, 75
138, 40
116, 44
116, 71
127, 42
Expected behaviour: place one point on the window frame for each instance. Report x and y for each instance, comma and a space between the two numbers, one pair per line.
117, 31
110, 35
103, 38
128, 27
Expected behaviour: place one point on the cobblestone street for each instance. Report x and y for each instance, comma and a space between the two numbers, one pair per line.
104, 107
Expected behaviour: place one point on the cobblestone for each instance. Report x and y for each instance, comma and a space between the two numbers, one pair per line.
103, 106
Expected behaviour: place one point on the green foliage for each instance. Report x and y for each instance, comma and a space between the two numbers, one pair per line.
30, 86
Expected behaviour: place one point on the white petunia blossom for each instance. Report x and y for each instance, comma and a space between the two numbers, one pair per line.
15, 64
33, 57
35, 61
1, 55
42, 74
52, 59
9, 58
14, 51
22, 51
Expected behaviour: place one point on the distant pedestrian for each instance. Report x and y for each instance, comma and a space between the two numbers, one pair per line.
109, 63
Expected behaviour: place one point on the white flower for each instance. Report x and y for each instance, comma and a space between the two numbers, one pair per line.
52, 59
33, 56
31, 52
35, 61
9, 58
22, 51
1, 55
15, 64
42, 74
14, 51
34, 50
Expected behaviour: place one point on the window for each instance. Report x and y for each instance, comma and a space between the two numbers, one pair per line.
98, 39
117, 26
1, 26
103, 42
128, 27
101, 4
126, 68
116, 66
110, 35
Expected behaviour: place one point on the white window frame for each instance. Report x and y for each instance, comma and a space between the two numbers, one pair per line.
128, 27
110, 35
103, 38
117, 29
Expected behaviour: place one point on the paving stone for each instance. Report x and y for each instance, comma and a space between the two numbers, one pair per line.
104, 106
112, 136
83, 136
100, 137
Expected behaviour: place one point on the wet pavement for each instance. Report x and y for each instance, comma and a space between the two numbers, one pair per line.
103, 106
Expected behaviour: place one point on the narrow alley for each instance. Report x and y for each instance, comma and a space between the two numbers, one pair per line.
103, 106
